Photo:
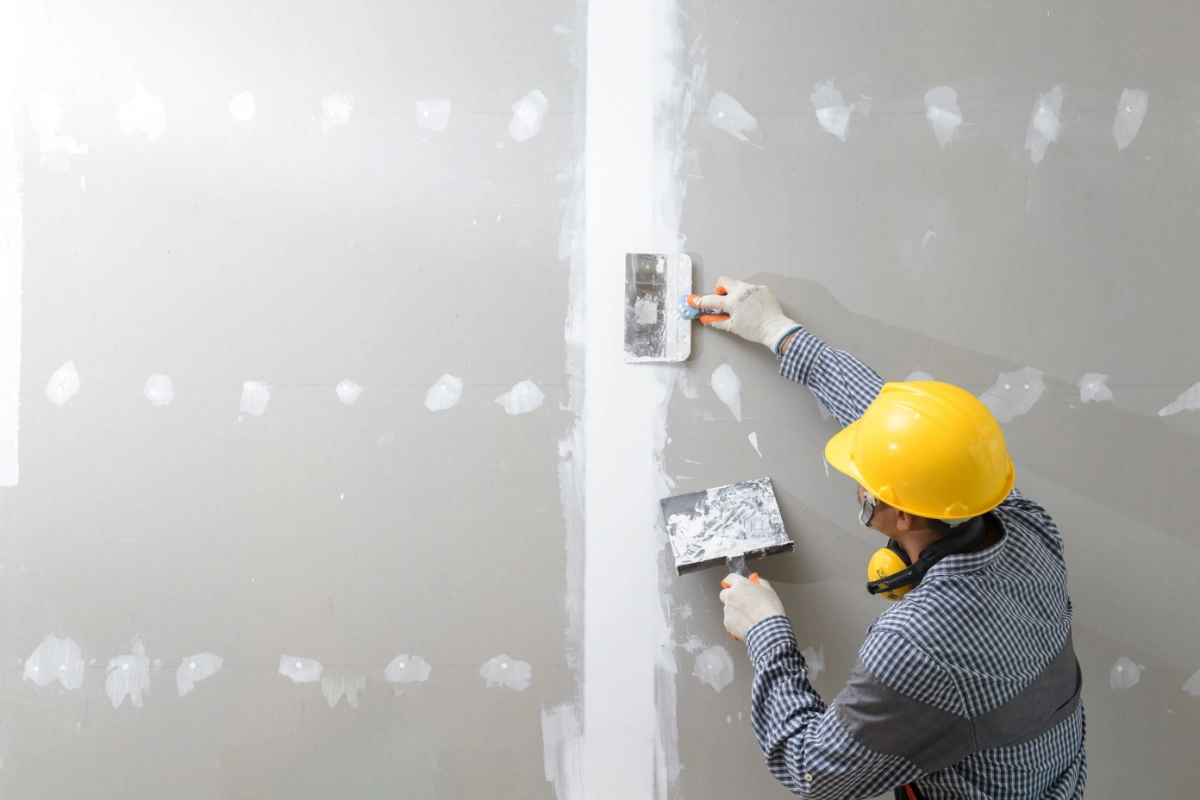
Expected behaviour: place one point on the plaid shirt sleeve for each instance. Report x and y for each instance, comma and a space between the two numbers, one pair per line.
843, 384
805, 745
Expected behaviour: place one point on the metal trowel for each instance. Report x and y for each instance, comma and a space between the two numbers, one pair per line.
654, 329
728, 524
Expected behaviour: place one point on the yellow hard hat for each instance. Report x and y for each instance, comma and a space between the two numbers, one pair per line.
927, 448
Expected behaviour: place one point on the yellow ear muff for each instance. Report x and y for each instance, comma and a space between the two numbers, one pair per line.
886, 562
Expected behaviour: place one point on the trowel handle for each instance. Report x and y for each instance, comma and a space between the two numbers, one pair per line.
737, 565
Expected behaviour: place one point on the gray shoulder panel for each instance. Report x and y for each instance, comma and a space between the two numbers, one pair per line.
888, 722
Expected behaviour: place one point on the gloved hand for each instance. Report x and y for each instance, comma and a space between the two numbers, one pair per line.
754, 313
747, 603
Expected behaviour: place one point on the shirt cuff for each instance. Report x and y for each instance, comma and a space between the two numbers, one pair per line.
768, 636
802, 353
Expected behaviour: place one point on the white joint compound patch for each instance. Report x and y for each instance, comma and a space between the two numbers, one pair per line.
55, 659
1092, 388
45, 117
1014, 393
943, 113
815, 659
1131, 112
528, 113
1192, 686
714, 667
561, 751
1125, 673
300, 670
159, 390
406, 669
335, 110
12, 252
348, 391
128, 676
918, 375
727, 114
508, 673
144, 113
1187, 401
433, 115
63, 384
728, 387
523, 398
753, 437
1045, 125
255, 396
833, 115
195, 669
444, 394
333, 689
241, 107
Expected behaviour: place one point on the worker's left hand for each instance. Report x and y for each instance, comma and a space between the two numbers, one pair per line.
748, 603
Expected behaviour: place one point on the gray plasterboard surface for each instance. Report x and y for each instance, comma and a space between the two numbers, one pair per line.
267, 250
1080, 265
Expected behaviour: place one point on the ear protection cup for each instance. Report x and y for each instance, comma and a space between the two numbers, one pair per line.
890, 574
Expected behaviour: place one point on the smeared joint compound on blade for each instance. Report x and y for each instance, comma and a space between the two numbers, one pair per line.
434, 114
714, 666
348, 686
63, 384
300, 670
241, 107
815, 659
833, 115
524, 397
753, 437
348, 391
1187, 401
1131, 112
195, 669
55, 659
1125, 674
727, 114
506, 672
728, 387
1092, 388
528, 113
444, 394
159, 390
255, 396
1045, 125
406, 669
561, 751
1014, 393
335, 110
129, 676
943, 113
143, 113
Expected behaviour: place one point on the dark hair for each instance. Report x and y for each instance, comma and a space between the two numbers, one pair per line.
940, 527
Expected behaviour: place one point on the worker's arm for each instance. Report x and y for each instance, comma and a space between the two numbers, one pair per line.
816, 751
843, 384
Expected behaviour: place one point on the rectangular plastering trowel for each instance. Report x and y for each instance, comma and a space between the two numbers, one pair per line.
728, 524
654, 329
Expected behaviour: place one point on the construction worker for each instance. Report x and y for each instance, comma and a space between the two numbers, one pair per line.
968, 687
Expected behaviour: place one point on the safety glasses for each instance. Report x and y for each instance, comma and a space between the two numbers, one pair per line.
868, 509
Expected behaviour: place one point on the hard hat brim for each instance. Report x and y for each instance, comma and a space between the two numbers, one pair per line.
839, 451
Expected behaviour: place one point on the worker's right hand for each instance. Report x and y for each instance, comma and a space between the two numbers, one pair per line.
754, 313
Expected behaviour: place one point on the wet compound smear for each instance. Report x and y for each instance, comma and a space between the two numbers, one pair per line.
711, 525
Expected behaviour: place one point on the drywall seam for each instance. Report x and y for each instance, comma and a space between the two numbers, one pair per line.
631, 204
11, 250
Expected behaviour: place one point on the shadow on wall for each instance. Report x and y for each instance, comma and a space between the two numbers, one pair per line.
1138, 465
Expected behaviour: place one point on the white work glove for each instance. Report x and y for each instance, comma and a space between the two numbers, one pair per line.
748, 601
754, 313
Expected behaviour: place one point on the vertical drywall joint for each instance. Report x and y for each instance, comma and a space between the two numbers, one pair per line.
11, 241
631, 204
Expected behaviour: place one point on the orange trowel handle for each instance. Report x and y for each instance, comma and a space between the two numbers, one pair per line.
753, 576
693, 300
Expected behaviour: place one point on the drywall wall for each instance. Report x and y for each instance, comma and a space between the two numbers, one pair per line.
937, 218
259, 545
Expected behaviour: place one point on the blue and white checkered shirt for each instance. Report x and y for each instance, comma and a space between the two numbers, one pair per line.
966, 688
